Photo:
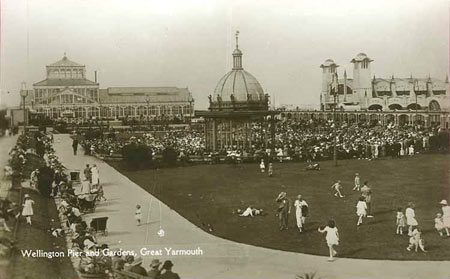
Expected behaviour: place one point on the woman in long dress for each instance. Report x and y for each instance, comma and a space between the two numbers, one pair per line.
298, 213
446, 216
332, 237
27, 210
95, 176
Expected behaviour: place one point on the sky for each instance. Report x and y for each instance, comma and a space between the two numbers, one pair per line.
188, 43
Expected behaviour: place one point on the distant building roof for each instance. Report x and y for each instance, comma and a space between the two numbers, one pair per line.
64, 82
141, 94
65, 62
328, 63
361, 57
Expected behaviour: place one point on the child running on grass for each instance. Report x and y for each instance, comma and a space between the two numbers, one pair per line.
361, 210
357, 182
401, 222
416, 241
337, 189
332, 237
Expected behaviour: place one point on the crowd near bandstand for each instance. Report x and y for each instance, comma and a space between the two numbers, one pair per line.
295, 140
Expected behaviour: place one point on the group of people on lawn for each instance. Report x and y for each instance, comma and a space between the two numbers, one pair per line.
363, 210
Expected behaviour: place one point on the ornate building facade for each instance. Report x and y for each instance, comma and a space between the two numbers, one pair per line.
67, 93
367, 92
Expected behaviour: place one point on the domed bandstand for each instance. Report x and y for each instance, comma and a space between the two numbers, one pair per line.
238, 103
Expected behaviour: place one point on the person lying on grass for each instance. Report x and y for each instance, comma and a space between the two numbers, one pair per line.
250, 211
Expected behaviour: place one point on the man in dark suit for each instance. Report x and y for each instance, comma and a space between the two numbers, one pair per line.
75, 146
45, 180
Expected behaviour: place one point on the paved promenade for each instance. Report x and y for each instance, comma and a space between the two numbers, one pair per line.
221, 259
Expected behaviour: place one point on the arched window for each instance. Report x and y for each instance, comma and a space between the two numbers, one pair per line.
395, 107
434, 106
375, 107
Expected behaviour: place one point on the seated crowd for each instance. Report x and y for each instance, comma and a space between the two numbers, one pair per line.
298, 140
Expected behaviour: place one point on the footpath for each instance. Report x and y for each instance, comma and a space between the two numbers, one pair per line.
216, 258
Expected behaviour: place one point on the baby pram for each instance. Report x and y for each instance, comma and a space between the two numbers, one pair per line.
99, 224
87, 202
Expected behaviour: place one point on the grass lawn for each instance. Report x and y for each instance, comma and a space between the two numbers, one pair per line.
210, 193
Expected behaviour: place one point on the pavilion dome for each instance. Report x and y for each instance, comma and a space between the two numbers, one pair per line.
241, 84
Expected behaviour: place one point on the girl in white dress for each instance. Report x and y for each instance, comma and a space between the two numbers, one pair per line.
361, 210
332, 237
262, 166
410, 218
27, 210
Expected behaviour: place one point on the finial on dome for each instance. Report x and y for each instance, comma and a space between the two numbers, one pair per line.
237, 55
65, 56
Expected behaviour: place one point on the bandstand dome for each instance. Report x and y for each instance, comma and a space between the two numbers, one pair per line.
241, 84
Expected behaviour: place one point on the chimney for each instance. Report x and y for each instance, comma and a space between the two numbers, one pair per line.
95, 76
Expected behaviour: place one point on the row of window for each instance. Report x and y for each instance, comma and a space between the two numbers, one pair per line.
66, 74
41, 95
126, 111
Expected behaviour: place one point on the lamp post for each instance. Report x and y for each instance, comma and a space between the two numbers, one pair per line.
415, 93
24, 94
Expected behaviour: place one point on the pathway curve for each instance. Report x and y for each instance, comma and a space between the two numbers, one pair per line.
221, 259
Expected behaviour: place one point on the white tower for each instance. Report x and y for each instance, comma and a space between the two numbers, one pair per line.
328, 71
362, 83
